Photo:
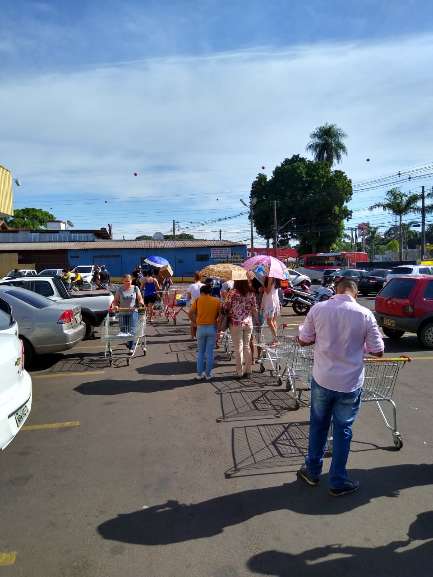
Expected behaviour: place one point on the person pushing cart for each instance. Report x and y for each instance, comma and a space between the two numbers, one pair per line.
126, 301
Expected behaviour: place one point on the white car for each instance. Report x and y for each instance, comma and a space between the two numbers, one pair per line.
15, 382
408, 269
14, 273
86, 271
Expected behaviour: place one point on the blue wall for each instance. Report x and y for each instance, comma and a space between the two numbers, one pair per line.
119, 261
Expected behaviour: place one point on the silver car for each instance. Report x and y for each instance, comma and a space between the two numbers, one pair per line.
44, 326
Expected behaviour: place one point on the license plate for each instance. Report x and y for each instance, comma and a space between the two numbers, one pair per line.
21, 415
388, 322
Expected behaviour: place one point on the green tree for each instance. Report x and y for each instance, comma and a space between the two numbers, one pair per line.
373, 239
327, 144
398, 203
311, 203
34, 218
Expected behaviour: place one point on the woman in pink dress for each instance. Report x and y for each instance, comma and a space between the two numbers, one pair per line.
270, 306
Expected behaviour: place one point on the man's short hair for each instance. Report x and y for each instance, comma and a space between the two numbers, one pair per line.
206, 289
346, 284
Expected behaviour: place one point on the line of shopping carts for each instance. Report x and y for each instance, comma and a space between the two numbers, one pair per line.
289, 367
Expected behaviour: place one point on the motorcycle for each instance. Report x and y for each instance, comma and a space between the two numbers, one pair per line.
287, 295
303, 301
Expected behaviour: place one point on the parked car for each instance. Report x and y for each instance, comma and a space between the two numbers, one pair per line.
328, 275
354, 274
18, 273
15, 382
405, 304
86, 271
372, 281
51, 272
299, 280
409, 269
94, 304
43, 325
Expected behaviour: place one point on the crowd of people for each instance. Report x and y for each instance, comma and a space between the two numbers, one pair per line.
240, 305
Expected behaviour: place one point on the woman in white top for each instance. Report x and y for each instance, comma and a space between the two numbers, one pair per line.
270, 306
193, 294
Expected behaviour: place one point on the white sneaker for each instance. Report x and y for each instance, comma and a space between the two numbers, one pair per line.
209, 377
199, 377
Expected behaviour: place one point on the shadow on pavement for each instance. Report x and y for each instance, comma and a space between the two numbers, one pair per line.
173, 369
119, 387
407, 344
384, 561
172, 522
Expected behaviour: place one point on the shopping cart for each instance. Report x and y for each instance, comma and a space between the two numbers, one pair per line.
124, 327
174, 302
274, 354
379, 383
226, 344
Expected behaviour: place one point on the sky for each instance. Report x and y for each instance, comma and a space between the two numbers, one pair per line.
196, 96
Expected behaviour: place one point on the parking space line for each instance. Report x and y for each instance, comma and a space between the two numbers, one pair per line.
66, 374
7, 558
46, 426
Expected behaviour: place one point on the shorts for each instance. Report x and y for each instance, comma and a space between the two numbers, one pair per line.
150, 299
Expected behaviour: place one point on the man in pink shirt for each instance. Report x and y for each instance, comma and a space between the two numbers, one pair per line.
342, 331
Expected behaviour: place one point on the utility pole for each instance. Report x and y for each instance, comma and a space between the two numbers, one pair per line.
174, 230
252, 229
221, 234
422, 223
275, 229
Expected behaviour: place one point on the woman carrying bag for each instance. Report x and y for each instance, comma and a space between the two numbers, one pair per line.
241, 308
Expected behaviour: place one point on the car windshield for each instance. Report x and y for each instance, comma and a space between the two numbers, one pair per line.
29, 297
379, 272
402, 270
47, 272
83, 269
398, 288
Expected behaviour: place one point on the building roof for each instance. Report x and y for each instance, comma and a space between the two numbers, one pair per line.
116, 244
101, 233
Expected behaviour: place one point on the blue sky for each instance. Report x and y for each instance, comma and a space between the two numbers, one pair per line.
195, 96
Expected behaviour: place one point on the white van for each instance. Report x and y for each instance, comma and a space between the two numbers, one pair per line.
15, 382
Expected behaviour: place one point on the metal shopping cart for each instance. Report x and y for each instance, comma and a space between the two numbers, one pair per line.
125, 327
174, 301
380, 380
226, 345
273, 355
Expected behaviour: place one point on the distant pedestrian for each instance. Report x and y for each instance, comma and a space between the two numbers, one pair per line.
270, 305
137, 276
241, 308
67, 277
167, 283
342, 331
96, 281
204, 312
128, 298
193, 294
104, 278
150, 287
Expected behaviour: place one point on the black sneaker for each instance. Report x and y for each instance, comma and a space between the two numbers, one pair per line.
348, 488
305, 476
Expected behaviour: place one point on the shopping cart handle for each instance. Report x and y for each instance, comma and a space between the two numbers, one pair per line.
401, 359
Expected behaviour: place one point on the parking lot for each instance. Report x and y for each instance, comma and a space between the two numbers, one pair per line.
124, 470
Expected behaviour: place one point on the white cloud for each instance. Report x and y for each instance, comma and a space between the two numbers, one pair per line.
199, 129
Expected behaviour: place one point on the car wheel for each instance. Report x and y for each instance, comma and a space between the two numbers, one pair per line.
29, 353
393, 334
425, 335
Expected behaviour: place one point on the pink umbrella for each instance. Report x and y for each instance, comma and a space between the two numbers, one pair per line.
264, 265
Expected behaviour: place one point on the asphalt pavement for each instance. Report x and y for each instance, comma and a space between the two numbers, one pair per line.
142, 471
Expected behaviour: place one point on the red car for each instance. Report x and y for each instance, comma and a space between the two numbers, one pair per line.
405, 304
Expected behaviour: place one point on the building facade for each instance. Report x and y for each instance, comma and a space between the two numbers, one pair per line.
122, 256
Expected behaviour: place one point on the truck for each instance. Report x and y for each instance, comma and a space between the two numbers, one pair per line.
94, 304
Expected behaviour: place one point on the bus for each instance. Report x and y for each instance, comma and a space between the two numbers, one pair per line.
314, 264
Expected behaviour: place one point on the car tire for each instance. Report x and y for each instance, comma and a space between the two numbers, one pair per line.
393, 334
29, 353
425, 335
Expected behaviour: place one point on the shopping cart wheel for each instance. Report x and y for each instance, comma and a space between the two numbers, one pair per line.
144, 352
280, 382
262, 368
174, 321
398, 442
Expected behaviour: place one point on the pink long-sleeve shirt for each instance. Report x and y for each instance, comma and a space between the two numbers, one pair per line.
343, 331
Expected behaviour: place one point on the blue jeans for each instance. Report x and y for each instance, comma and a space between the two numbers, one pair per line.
128, 324
206, 339
342, 408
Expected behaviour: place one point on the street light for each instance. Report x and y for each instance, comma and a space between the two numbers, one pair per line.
250, 207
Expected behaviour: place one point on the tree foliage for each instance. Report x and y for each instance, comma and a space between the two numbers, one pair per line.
311, 203
327, 144
34, 218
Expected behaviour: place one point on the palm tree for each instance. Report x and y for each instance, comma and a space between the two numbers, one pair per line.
373, 239
327, 144
400, 204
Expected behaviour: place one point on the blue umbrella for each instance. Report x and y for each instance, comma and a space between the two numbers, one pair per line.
157, 261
